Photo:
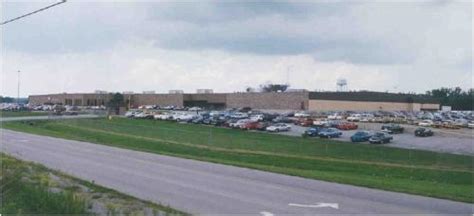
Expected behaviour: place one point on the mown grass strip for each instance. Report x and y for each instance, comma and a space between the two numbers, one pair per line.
244, 151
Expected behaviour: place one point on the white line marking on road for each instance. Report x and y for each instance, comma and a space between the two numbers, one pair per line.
23, 140
317, 205
265, 213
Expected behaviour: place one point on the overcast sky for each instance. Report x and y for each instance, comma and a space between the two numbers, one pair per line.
82, 47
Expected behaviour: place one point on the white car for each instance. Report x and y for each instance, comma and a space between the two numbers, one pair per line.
320, 122
239, 115
278, 127
258, 117
302, 115
142, 115
470, 125
335, 116
163, 116
195, 109
130, 114
184, 117
354, 117
425, 123
239, 123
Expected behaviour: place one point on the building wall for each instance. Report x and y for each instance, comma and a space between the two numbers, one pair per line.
327, 105
273, 100
210, 98
427, 106
55, 99
156, 99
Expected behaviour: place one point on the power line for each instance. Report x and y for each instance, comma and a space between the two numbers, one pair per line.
31, 13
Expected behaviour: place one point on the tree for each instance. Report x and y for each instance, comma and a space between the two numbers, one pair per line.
6, 99
116, 102
274, 87
454, 97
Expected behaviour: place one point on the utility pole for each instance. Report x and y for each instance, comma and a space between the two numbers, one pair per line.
18, 89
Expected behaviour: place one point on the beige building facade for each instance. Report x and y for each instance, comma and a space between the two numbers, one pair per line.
312, 101
336, 105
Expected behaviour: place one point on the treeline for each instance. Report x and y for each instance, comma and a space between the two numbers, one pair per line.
6, 99
457, 98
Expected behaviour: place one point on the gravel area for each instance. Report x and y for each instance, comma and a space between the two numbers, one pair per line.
449, 141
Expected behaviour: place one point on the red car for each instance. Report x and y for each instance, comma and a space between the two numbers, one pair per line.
250, 126
347, 126
305, 122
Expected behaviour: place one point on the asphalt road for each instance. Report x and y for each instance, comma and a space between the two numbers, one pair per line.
207, 188
455, 142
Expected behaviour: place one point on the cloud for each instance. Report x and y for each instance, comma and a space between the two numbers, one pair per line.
82, 46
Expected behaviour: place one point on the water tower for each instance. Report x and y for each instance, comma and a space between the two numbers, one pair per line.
341, 84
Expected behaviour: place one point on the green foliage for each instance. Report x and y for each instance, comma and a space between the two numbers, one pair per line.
4, 114
21, 196
412, 171
274, 87
454, 97
116, 101
6, 99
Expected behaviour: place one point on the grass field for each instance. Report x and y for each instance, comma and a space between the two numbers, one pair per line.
426, 173
32, 189
20, 113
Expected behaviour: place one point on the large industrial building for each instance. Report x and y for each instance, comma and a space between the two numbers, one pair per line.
302, 100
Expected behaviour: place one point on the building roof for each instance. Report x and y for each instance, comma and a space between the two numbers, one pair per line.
372, 96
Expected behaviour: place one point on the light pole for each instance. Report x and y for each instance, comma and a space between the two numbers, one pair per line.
18, 89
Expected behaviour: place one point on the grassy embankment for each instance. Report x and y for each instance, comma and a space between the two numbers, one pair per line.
425, 173
32, 189
5, 114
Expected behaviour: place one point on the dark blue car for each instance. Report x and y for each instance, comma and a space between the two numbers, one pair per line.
312, 132
361, 136
330, 133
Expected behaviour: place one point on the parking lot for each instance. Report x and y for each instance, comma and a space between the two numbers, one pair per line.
456, 142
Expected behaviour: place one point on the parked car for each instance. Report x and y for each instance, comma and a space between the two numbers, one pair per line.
198, 120
131, 114
470, 125
258, 117
195, 109
425, 123
423, 132
450, 125
278, 127
207, 120
361, 136
239, 115
250, 125
330, 133
282, 119
312, 132
305, 122
144, 115
239, 123
380, 137
392, 128
321, 123
354, 117
346, 126
184, 118
302, 115
262, 126
216, 121
335, 116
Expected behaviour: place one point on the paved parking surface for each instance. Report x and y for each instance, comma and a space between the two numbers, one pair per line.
450, 141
